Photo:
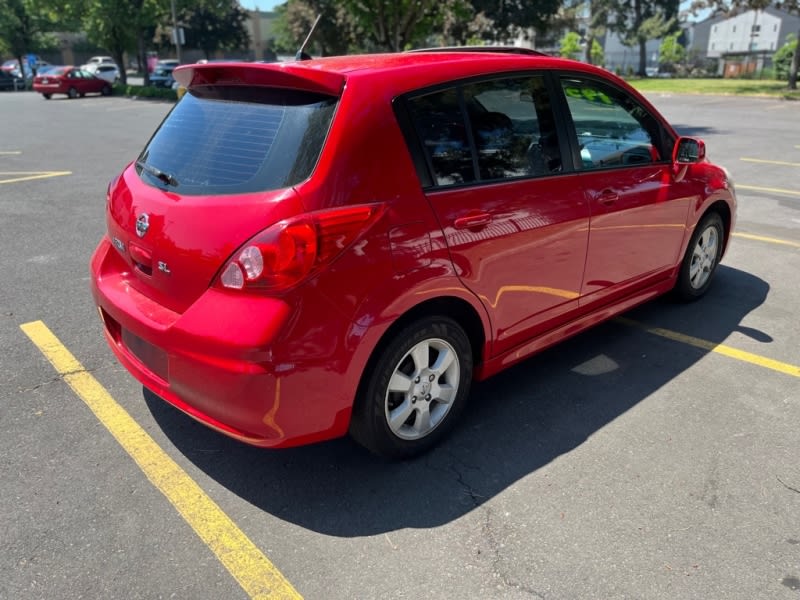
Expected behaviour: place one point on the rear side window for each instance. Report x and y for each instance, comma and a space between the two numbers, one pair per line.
487, 131
233, 140
440, 123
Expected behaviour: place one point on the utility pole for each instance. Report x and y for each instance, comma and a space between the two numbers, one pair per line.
175, 32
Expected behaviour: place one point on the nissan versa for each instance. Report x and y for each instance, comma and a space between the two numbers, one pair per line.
338, 245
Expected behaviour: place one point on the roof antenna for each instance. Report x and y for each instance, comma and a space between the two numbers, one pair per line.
301, 54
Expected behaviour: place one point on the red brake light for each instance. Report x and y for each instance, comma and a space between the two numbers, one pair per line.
284, 254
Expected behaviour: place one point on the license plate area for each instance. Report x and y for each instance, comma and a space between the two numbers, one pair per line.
153, 358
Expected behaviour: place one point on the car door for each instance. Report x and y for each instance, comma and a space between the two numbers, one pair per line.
515, 222
638, 209
89, 83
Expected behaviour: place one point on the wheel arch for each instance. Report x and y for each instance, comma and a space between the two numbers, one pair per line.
722, 208
453, 307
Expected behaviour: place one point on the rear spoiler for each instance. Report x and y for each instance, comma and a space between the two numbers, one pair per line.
295, 76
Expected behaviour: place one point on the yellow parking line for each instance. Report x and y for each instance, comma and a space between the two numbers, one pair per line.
748, 357
7, 152
755, 188
30, 175
252, 570
771, 240
771, 162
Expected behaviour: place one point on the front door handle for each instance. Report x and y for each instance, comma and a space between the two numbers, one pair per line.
473, 220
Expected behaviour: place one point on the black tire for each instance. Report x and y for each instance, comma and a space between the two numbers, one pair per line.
701, 259
72, 93
47, 96
106, 91
438, 377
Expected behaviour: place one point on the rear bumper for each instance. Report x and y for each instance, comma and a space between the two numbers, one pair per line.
218, 363
49, 88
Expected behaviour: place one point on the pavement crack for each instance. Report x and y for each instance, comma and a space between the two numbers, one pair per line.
38, 386
499, 570
787, 486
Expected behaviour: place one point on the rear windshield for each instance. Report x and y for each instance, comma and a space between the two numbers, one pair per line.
234, 140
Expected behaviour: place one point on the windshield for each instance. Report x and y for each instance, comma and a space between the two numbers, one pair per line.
229, 140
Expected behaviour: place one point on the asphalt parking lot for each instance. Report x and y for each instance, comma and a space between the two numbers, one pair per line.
657, 456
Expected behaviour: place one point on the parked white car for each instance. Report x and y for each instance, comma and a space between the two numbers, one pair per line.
101, 60
109, 72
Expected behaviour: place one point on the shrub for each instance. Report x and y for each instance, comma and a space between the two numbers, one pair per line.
782, 59
141, 91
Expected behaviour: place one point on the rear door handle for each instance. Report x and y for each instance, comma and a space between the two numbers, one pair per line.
607, 197
473, 220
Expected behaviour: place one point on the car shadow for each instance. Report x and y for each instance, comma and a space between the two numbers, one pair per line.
696, 130
516, 423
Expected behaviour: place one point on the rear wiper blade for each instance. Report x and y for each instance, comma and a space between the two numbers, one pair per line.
157, 173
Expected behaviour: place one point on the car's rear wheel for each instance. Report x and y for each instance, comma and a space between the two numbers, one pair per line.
106, 91
72, 93
415, 390
702, 257
47, 96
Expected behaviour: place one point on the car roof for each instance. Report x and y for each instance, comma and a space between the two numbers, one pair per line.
398, 72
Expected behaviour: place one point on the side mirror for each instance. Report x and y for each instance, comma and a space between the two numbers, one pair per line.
688, 151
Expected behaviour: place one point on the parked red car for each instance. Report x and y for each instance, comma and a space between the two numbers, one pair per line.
343, 244
71, 81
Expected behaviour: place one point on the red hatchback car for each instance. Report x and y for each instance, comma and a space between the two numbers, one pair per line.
71, 81
343, 244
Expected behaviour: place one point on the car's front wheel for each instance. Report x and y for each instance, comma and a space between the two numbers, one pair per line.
47, 96
415, 390
702, 258
72, 93
106, 91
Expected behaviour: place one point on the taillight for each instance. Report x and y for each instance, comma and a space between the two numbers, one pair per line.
284, 254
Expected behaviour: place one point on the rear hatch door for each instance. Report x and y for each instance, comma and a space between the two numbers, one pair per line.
220, 169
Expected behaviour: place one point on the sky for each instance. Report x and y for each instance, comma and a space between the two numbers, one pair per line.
261, 4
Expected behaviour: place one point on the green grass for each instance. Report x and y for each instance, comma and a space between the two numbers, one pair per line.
730, 87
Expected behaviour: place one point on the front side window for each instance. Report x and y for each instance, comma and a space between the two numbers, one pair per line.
612, 129
487, 131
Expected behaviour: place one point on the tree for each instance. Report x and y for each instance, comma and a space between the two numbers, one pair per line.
638, 21
461, 25
782, 59
597, 55
107, 24
212, 25
570, 45
671, 53
120, 26
377, 25
336, 32
24, 25
598, 24
396, 25
511, 18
